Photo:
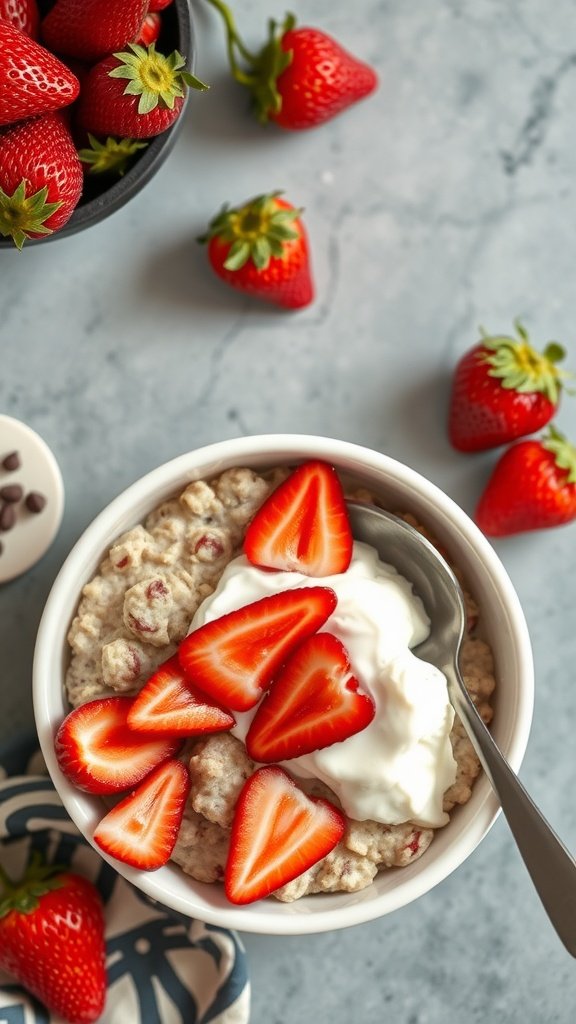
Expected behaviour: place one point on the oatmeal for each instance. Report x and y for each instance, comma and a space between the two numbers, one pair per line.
139, 607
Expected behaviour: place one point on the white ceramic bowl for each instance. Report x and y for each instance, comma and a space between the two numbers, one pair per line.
503, 623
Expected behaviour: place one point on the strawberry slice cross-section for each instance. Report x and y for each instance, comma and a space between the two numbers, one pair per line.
169, 705
312, 703
235, 657
99, 753
143, 828
303, 525
278, 832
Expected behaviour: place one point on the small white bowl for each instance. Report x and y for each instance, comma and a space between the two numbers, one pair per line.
504, 626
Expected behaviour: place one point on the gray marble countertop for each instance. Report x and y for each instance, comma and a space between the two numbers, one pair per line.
446, 201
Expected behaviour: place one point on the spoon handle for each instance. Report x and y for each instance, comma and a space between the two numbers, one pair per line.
550, 865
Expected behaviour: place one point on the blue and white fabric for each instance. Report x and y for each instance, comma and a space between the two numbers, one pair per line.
163, 968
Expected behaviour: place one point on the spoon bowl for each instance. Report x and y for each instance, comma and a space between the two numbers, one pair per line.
416, 558
550, 865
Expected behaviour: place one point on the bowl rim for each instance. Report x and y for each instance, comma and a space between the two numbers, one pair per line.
258, 451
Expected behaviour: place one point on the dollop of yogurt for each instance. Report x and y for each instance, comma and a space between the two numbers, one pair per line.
398, 767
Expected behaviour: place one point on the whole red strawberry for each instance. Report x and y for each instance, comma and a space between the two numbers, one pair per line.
24, 14
40, 178
32, 80
503, 389
261, 248
52, 940
135, 94
532, 487
91, 29
301, 77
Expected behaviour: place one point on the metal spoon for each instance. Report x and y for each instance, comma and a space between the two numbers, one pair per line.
550, 865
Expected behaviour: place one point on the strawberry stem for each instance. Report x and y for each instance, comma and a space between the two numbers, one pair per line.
6, 883
23, 895
232, 36
265, 67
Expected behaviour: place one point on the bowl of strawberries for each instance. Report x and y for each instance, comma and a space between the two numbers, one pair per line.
229, 698
91, 99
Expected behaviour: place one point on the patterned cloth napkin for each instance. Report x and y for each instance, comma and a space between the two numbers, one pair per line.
163, 968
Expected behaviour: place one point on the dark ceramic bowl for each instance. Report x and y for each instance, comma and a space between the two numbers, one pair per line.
105, 194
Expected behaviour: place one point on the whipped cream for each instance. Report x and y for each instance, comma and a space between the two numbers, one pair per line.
398, 767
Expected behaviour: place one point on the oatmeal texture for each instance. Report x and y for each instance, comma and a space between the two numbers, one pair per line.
134, 613
137, 609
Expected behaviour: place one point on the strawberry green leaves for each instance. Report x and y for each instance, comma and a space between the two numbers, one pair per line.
111, 156
23, 216
154, 77
256, 231
564, 453
520, 367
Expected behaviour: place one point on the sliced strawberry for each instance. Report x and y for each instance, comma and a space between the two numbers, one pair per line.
234, 658
169, 705
303, 525
277, 833
98, 751
142, 829
312, 703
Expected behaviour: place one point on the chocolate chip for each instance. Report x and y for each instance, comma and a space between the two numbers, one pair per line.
7, 517
11, 492
35, 501
11, 461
